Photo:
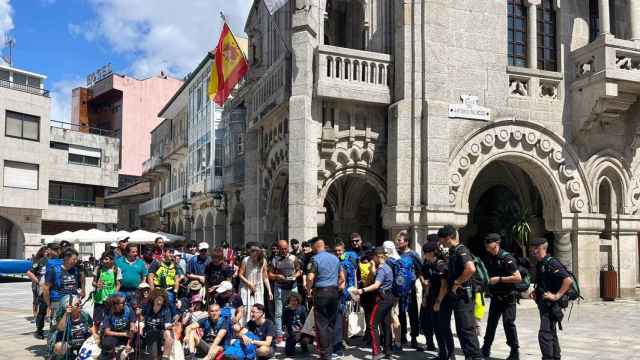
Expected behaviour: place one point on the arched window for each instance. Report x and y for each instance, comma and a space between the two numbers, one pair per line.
517, 33
547, 49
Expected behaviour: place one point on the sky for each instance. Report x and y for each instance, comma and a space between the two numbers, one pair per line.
68, 39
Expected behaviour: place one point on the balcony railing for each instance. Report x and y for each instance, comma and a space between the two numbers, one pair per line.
150, 207
24, 88
151, 164
173, 198
79, 203
354, 74
213, 183
270, 91
83, 128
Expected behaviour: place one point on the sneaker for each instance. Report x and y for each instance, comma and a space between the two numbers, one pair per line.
335, 356
431, 346
416, 346
514, 355
39, 335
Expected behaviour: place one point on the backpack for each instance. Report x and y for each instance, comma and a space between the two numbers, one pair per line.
574, 291
57, 269
481, 276
523, 270
403, 276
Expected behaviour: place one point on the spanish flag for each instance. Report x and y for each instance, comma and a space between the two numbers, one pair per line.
229, 66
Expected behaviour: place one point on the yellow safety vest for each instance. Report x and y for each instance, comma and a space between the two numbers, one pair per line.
165, 276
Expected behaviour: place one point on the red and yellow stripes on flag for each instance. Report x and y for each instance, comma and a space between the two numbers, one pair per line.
229, 66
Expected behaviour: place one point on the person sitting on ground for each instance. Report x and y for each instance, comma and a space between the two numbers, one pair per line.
216, 333
264, 329
157, 325
240, 346
227, 298
193, 314
119, 325
71, 336
293, 320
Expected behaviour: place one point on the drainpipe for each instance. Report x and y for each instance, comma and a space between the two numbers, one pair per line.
618, 253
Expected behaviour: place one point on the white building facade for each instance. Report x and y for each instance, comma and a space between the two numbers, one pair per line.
54, 174
376, 116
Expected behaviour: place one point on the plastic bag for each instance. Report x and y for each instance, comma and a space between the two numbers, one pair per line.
177, 353
309, 324
355, 320
90, 350
480, 306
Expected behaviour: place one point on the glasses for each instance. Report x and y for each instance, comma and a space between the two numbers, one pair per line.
356, 240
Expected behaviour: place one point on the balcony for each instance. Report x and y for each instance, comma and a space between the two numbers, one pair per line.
84, 129
607, 81
357, 75
175, 149
150, 207
270, 91
24, 88
153, 166
173, 199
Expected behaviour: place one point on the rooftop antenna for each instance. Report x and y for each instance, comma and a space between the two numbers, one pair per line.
9, 43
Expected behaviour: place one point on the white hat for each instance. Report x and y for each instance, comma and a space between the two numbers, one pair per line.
113, 244
224, 287
390, 249
144, 285
203, 246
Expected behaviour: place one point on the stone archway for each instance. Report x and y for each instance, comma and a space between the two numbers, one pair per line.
353, 202
197, 233
546, 159
180, 228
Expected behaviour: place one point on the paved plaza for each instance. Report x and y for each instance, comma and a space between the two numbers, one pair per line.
595, 330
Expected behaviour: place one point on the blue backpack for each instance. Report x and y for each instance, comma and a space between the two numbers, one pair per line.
237, 350
403, 276
55, 265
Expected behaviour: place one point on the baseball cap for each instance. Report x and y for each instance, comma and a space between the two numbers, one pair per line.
124, 238
538, 241
203, 246
492, 237
224, 287
144, 285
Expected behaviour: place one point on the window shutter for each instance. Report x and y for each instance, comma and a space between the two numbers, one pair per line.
20, 175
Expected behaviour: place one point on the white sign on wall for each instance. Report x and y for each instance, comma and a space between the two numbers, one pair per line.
469, 109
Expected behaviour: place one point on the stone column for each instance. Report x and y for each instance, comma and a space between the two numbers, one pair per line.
252, 181
532, 33
628, 263
634, 11
563, 249
605, 23
304, 127
586, 251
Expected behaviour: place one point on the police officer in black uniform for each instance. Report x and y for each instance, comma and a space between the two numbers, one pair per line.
431, 277
442, 303
461, 293
552, 283
503, 276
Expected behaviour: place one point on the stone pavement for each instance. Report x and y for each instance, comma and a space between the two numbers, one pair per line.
596, 330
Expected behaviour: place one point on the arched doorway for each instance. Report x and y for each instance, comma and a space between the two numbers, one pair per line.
180, 228
197, 233
6, 229
502, 196
237, 226
353, 205
220, 227
208, 230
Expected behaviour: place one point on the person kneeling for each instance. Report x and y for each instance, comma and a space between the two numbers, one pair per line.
74, 327
215, 334
157, 320
293, 319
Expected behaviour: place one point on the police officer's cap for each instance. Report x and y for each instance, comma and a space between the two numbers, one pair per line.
430, 247
538, 241
491, 238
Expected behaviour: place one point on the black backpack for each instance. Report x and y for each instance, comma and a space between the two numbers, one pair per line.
574, 291
522, 268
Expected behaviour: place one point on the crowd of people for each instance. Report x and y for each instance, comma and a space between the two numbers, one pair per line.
220, 303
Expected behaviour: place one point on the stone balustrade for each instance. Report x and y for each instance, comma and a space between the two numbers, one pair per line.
172, 199
354, 74
269, 91
150, 207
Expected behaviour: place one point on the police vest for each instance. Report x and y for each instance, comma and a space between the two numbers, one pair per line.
165, 276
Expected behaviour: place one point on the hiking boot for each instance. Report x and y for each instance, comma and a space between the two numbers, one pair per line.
415, 345
514, 355
486, 351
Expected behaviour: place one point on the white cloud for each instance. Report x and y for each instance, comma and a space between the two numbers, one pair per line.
61, 98
6, 20
162, 34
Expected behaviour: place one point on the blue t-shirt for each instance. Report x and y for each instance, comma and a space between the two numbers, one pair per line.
132, 273
415, 258
198, 266
326, 266
384, 276
119, 322
62, 282
210, 330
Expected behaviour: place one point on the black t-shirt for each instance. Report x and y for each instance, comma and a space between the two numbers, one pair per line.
264, 330
214, 274
550, 274
293, 319
156, 322
39, 267
434, 272
234, 301
503, 265
460, 256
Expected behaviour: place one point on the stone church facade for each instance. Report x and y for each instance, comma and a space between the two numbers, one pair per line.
377, 115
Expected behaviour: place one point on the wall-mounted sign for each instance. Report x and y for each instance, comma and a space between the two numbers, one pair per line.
99, 74
469, 109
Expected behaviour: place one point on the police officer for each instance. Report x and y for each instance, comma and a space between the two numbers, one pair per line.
325, 281
552, 282
503, 276
432, 277
460, 286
